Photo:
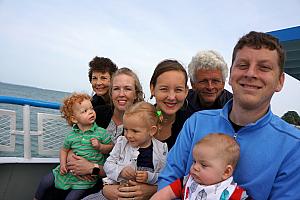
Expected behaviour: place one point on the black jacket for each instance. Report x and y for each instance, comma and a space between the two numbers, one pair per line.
194, 104
97, 101
104, 114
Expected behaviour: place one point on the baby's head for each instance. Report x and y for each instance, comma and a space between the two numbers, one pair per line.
78, 107
215, 158
140, 124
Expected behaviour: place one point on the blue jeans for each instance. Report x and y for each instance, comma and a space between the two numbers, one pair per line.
47, 183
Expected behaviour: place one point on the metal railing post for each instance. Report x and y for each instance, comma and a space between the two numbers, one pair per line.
26, 129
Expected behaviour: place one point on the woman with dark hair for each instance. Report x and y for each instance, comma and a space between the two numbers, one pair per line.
101, 70
168, 85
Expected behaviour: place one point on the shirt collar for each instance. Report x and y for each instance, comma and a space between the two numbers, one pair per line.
77, 130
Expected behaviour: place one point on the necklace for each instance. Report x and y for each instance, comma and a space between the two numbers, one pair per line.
165, 128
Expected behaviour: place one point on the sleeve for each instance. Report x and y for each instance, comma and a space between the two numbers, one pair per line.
152, 177
176, 187
286, 185
162, 157
178, 156
113, 166
67, 142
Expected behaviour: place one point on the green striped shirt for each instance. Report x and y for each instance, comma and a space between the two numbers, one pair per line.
79, 142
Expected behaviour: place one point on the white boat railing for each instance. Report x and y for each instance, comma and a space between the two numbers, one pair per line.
51, 128
7, 130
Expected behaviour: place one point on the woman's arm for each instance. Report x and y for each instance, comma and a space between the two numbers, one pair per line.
80, 166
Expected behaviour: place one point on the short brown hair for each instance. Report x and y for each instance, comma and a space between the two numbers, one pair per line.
225, 145
258, 40
101, 64
67, 107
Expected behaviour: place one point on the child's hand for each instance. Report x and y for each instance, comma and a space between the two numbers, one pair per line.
63, 169
141, 176
96, 144
128, 173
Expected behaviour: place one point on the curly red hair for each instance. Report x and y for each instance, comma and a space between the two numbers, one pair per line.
67, 107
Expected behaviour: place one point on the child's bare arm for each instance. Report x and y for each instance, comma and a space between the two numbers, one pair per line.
63, 160
103, 148
106, 148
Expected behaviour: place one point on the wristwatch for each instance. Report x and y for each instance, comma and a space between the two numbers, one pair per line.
96, 170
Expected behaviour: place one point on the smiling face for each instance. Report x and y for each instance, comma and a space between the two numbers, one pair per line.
170, 91
83, 114
208, 84
123, 91
254, 77
209, 167
137, 130
100, 82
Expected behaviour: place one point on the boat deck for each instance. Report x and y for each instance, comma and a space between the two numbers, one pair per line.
20, 180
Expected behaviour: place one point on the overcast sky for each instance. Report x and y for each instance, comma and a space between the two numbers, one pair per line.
48, 44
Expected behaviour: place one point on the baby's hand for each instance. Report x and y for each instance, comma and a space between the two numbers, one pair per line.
128, 173
63, 169
96, 144
141, 176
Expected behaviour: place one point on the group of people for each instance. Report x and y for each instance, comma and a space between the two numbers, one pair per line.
234, 148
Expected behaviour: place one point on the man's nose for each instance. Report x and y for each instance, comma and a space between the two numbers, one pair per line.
251, 71
210, 84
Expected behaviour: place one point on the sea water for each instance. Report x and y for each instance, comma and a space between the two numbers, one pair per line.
31, 93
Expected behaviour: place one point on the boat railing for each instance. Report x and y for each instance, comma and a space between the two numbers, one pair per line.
51, 129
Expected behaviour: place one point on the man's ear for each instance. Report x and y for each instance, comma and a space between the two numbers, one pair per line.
229, 81
153, 130
280, 82
228, 172
193, 85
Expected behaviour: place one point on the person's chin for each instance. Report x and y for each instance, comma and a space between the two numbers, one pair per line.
197, 180
122, 107
100, 93
210, 99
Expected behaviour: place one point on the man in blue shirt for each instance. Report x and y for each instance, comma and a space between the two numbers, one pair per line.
269, 162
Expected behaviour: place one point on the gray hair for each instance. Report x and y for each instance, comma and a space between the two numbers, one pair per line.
207, 60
